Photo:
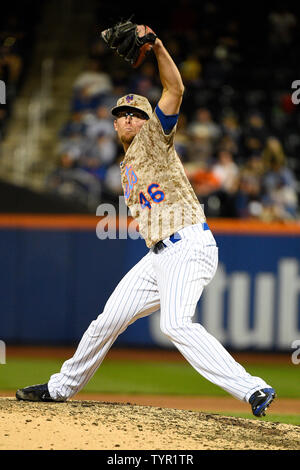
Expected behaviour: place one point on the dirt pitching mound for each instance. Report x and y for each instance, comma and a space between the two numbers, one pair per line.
91, 425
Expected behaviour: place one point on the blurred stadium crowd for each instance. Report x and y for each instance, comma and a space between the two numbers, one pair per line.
17, 34
238, 131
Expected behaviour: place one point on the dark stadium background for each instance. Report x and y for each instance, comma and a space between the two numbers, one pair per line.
59, 159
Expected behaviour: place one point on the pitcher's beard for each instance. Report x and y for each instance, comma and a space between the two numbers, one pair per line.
127, 139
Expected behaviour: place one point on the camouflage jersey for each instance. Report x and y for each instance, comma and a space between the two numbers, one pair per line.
156, 188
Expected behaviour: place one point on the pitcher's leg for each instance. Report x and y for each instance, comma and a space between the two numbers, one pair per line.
182, 272
134, 297
208, 357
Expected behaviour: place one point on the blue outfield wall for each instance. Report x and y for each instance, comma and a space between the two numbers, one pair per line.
54, 282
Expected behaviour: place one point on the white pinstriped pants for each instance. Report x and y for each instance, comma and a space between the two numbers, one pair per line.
173, 281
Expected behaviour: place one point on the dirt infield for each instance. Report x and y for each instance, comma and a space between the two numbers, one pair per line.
89, 425
141, 422
186, 402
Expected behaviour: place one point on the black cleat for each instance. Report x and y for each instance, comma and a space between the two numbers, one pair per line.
260, 400
38, 392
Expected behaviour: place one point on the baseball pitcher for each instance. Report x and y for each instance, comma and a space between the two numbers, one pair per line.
183, 254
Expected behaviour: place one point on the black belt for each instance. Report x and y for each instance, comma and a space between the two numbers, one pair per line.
173, 238
161, 245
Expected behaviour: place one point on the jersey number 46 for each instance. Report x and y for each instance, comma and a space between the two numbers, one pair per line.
155, 195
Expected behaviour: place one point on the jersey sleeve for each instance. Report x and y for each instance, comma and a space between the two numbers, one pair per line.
167, 121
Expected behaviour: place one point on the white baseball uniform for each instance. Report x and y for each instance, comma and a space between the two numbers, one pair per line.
182, 259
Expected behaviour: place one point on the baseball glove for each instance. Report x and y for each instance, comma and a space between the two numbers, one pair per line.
130, 41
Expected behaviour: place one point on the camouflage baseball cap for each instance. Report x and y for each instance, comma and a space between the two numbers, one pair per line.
133, 101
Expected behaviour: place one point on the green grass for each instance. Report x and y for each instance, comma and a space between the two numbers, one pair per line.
165, 378
146, 378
